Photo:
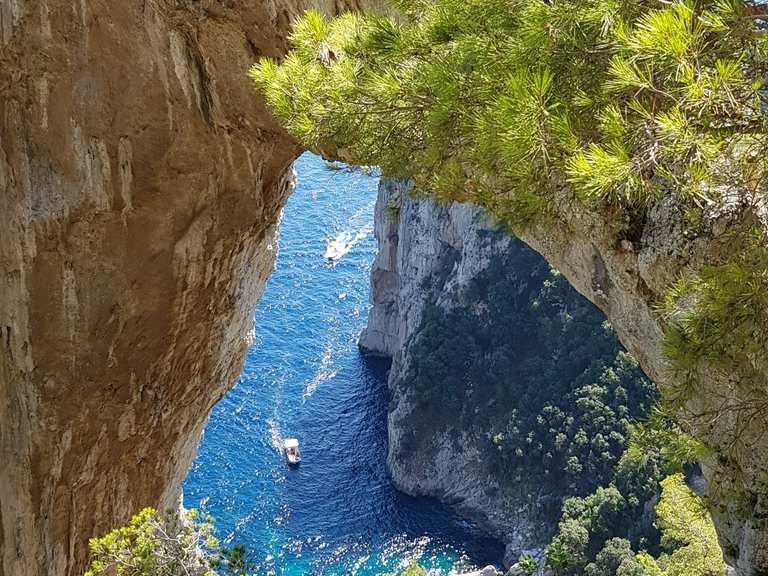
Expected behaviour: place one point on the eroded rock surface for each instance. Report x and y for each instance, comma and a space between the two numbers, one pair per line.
427, 255
141, 182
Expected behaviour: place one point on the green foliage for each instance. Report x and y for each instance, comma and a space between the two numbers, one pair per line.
503, 101
615, 559
556, 391
528, 564
601, 522
165, 544
688, 535
235, 561
156, 544
717, 317
563, 555
586, 543
585, 525
658, 438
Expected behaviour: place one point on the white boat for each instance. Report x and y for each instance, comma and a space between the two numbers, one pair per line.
292, 453
338, 247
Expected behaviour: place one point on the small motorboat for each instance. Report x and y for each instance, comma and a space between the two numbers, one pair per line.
338, 247
292, 453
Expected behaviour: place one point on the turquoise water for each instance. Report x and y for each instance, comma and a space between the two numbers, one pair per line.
337, 513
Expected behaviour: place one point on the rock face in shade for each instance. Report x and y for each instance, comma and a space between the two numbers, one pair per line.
141, 183
456, 305
427, 254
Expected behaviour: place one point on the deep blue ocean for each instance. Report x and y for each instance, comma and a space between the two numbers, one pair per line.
304, 377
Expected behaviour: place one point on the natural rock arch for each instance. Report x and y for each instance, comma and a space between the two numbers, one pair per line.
141, 182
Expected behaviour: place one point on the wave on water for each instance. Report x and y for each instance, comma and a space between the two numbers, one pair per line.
341, 245
324, 373
275, 438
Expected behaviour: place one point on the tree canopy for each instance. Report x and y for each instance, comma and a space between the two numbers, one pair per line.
503, 101
687, 534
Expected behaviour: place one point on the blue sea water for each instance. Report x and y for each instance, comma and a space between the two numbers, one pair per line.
337, 513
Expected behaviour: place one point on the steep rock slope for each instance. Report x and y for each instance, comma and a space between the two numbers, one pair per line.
509, 389
141, 182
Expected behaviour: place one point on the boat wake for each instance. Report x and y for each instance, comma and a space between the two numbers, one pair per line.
338, 247
324, 372
275, 438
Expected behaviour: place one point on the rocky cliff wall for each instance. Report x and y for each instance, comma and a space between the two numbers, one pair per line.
494, 355
141, 183
428, 253
417, 243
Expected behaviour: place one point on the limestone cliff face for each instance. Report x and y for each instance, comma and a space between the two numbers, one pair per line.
417, 241
141, 183
428, 253
459, 305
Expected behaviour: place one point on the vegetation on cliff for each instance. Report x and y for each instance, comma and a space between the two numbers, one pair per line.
501, 102
165, 544
688, 535
688, 544
556, 391
606, 527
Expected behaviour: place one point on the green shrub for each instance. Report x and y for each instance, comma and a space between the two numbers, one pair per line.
688, 535
160, 544
615, 559
165, 544
528, 564
717, 316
